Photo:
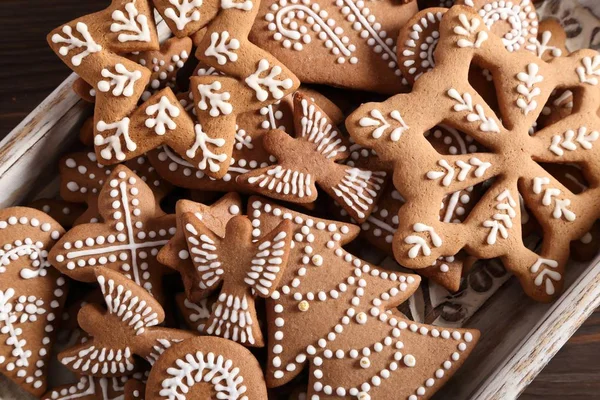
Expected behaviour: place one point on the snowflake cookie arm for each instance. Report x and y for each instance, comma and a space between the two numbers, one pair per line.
186, 17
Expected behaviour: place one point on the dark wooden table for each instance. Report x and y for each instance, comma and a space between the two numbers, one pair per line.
29, 71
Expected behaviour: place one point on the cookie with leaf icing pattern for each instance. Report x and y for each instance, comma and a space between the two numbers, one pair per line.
128, 326
127, 238
124, 129
206, 368
32, 295
344, 43
82, 178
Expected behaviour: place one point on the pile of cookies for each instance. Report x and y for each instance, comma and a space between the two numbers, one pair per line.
207, 241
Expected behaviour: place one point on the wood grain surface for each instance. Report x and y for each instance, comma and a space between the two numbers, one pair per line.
29, 71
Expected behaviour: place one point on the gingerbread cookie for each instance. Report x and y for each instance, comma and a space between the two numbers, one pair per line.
82, 178
310, 158
63, 212
175, 253
344, 301
164, 65
128, 238
248, 153
206, 368
128, 327
493, 228
32, 295
245, 269
515, 22
124, 131
90, 388
196, 314
343, 43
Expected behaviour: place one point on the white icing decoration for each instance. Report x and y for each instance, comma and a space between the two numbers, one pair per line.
547, 272
420, 244
519, 15
209, 159
589, 70
359, 188
199, 311
551, 195
465, 103
565, 142
271, 82
134, 22
502, 220
26, 247
221, 46
86, 387
160, 346
203, 250
286, 181
424, 49
130, 309
295, 35
218, 101
185, 11
163, 112
245, 5
126, 246
114, 141
317, 129
122, 79
468, 28
86, 42
539, 48
265, 267
304, 237
463, 167
100, 359
381, 124
527, 88
199, 368
242, 139
14, 313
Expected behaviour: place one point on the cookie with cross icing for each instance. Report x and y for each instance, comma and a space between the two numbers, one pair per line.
206, 368
127, 327
127, 238
245, 269
175, 253
32, 295
344, 43
312, 157
82, 178
524, 83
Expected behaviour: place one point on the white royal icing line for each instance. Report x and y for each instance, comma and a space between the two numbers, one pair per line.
566, 142
420, 244
502, 220
527, 88
547, 274
183, 12
269, 84
86, 42
134, 24
221, 47
551, 196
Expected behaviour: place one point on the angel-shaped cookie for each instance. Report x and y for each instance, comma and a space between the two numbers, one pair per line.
312, 158
126, 328
246, 269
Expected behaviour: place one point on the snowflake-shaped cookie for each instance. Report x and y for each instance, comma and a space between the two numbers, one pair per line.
524, 83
